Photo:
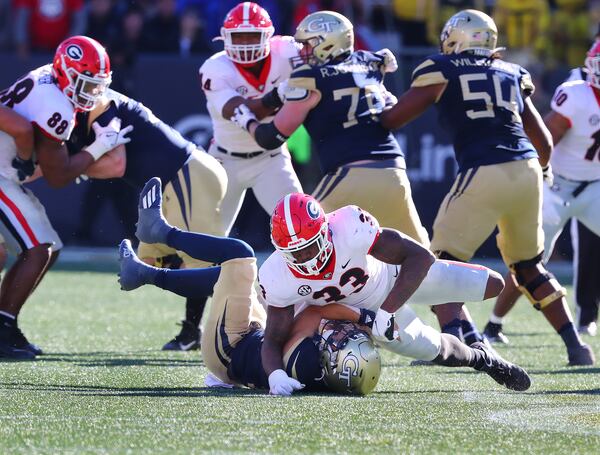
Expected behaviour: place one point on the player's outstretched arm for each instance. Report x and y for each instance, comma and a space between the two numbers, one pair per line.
394, 247
257, 106
111, 165
20, 129
538, 132
557, 124
411, 105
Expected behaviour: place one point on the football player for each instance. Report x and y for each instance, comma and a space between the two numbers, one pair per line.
574, 122
48, 98
338, 95
253, 63
234, 326
498, 136
195, 184
345, 257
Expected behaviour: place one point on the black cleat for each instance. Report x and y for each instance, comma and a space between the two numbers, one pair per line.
12, 343
23, 343
187, 340
581, 355
493, 332
151, 226
509, 375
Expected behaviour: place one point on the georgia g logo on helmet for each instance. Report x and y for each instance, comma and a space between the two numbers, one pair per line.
321, 25
313, 210
74, 52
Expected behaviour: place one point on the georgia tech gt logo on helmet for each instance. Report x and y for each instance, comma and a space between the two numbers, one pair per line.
313, 210
321, 25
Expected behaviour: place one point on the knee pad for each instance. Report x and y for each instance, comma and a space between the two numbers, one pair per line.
529, 288
440, 254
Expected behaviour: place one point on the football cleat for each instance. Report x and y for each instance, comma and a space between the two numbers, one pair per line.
23, 343
132, 274
590, 329
581, 355
187, 340
509, 375
11, 343
493, 332
151, 226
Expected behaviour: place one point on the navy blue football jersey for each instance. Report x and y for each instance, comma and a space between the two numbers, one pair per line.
480, 107
155, 150
246, 363
344, 126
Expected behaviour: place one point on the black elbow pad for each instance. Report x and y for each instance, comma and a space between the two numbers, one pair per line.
268, 136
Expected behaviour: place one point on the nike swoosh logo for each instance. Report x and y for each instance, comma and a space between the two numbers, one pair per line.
186, 346
346, 264
275, 80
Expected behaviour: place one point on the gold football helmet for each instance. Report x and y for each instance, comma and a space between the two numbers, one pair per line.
469, 30
328, 33
350, 361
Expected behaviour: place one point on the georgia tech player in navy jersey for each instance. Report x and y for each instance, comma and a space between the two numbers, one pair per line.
338, 95
318, 354
497, 134
195, 183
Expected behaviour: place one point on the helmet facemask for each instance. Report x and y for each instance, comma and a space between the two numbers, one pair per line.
83, 90
323, 249
247, 53
592, 63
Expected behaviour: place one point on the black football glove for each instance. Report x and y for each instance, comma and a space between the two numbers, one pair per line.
25, 168
367, 317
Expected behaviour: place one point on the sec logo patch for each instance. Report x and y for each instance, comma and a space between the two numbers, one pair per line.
304, 290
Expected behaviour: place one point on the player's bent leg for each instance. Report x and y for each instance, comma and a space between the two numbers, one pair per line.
548, 296
504, 303
234, 312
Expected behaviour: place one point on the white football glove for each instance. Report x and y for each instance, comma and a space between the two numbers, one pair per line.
82, 178
282, 89
548, 175
243, 116
108, 137
384, 327
281, 384
390, 64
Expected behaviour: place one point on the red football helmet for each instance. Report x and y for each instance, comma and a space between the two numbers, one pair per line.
299, 222
592, 63
82, 70
247, 17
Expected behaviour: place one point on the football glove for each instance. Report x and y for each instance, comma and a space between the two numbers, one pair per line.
108, 137
281, 384
24, 168
243, 116
548, 175
390, 64
366, 318
384, 327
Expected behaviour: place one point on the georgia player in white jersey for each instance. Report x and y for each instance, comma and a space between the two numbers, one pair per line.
47, 97
253, 63
344, 257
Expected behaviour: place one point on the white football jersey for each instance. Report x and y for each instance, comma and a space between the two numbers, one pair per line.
577, 155
356, 279
222, 80
37, 98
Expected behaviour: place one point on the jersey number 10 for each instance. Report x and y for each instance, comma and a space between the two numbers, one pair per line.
488, 112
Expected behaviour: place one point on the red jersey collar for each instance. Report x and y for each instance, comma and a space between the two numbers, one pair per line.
260, 83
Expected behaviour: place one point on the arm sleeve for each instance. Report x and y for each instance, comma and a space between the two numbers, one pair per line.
272, 291
361, 229
427, 73
215, 87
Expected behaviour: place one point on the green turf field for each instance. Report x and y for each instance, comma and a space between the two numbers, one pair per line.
105, 387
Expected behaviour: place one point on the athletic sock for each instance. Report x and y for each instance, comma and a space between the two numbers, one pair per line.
496, 319
208, 248
470, 332
453, 328
192, 283
194, 307
570, 336
7, 319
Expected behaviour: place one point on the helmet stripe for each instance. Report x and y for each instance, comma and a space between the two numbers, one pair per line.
246, 14
288, 216
100, 51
